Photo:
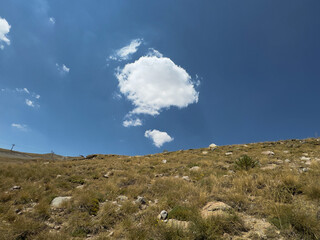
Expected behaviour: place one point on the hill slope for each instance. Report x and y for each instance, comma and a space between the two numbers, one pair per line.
271, 193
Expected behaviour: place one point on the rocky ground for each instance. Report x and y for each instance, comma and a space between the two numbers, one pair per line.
254, 191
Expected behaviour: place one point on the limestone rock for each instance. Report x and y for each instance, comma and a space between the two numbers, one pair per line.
269, 153
178, 224
164, 161
195, 168
163, 215
186, 178
204, 152
58, 201
122, 198
228, 153
16, 188
141, 200
212, 146
214, 208
269, 167
303, 158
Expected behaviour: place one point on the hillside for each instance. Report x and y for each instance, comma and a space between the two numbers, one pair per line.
264, 190
7, 156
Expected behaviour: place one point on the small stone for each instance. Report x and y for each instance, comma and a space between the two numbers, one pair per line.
186, 178
270, 153
163, 215
204, 152
195, 168
141, 200
212, 146
228, 153
269, 167
58, 176
108, 174
301, 170
122, 198
80, 187
287, 161
303, 158
16, 188
286, 151
58, 201
164, 161
305, 154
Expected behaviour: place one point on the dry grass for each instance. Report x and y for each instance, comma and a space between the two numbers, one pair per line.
287, 196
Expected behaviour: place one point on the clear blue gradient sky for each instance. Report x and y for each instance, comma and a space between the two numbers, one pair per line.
257, 63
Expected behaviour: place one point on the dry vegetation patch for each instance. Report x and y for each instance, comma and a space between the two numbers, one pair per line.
271, 191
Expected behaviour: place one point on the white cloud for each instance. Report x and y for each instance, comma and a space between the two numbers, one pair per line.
23, 90
158, 138
52, 20
4, 30
153, 83
132, 122
125, 52
30, 103
62, 68
21, 127
37, 96
153, 52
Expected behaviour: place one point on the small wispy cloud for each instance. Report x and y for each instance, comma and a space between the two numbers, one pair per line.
132, 122
52, 20
125, 52
62, 68
4, 30
21, 127
159, 138
23, 90
30, 103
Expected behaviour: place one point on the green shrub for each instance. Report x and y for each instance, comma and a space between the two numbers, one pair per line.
245, 163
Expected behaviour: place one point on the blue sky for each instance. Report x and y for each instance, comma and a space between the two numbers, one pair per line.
137, 77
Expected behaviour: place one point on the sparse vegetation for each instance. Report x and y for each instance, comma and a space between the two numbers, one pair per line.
284, 193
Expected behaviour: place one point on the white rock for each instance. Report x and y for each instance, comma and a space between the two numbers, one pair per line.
140, 200
163, 215
204, 152
270, 153
58, 201
122, 198
305, 154
287, 161
286, 151
186, 178
16, 188
228, 153
303, 158
212, 146
195, 168
308, 162
164, 161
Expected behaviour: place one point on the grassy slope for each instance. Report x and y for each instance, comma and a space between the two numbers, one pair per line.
286, 196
